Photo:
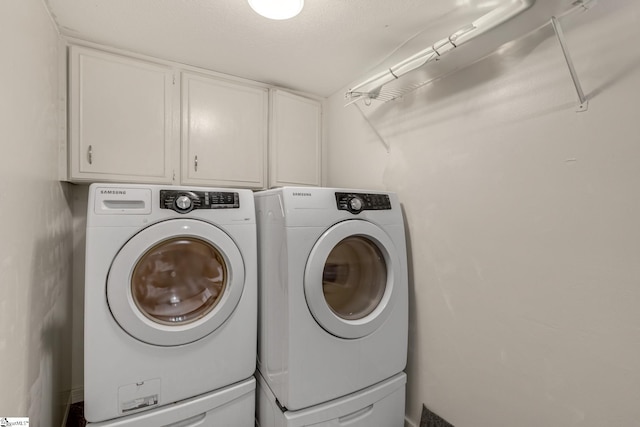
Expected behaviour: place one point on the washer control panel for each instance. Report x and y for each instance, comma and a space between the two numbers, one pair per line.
358, 202
183, 201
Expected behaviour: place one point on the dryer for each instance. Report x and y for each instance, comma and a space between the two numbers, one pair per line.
333, 292
170, 295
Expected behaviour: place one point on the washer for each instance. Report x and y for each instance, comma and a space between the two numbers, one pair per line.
170, 295
333, 292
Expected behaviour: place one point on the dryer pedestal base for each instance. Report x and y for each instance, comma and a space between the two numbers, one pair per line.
381, 405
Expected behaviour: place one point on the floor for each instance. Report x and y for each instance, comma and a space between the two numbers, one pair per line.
76, 415
431, 419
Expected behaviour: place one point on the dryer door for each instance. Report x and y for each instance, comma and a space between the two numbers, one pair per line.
175, 282
350, 278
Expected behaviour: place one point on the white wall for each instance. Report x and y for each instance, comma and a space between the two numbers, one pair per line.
524, 226
35, 221
79, 212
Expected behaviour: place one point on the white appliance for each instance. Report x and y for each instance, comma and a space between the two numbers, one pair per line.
333, 292
380, 405
232, 406
170, 295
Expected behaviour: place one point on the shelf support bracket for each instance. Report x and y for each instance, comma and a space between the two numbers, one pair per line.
584, 103
366, 119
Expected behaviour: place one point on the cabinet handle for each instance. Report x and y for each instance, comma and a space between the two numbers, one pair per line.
195, 163
90, 155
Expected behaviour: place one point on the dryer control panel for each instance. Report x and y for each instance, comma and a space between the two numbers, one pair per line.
358, 202
185, 201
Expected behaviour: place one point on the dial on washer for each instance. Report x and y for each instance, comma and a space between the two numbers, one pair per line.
183, 203
355, 204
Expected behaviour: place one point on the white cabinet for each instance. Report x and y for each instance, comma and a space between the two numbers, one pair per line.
120, 118
224, 132
295, 148
140, 121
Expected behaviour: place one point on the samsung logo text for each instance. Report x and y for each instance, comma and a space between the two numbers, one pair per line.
113, 192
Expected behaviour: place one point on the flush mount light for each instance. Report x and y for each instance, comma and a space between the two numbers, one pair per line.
277, 9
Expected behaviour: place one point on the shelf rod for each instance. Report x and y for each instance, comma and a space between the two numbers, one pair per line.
584, 103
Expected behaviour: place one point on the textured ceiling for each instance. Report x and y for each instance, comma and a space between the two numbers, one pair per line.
331, 44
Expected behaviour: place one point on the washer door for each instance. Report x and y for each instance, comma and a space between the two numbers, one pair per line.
175, 282
350, 277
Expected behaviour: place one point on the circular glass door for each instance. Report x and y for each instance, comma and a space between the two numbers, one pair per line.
354, 278
350, 277
179, 280
175, 282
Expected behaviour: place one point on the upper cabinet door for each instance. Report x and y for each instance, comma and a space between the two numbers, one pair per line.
224, 132
296, 143
120, 118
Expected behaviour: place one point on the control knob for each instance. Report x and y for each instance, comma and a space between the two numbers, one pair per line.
355, 204
183, 203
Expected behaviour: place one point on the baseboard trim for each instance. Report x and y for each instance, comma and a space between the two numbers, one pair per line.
409, 423
77, 395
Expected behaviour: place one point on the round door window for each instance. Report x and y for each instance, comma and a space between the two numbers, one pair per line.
354, 278
350, 279
175, 282
179, 280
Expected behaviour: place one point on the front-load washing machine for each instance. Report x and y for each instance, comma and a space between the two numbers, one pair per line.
170, 295
333, 292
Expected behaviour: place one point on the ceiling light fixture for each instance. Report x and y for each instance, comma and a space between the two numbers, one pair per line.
277, 9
